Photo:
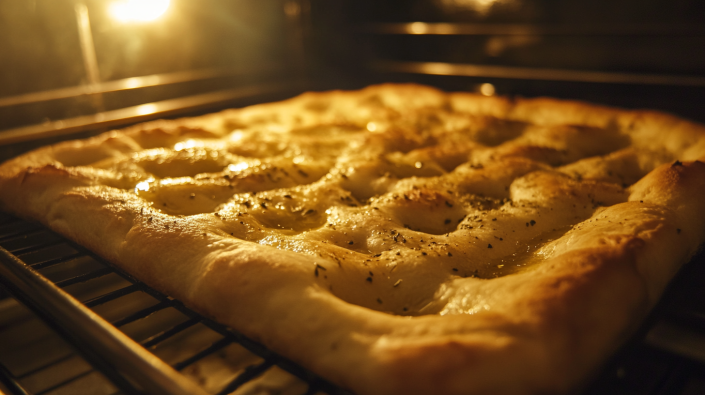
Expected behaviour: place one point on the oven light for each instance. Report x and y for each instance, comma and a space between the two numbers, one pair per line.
138, 10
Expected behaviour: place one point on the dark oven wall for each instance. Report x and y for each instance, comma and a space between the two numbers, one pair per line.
635, 54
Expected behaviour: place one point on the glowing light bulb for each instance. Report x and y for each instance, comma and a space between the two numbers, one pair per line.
138, 10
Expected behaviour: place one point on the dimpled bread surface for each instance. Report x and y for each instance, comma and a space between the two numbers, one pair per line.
396, 239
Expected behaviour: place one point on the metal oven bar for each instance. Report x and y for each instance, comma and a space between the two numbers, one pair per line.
133, 83
123, 360
118, 356
528, 73
144, 112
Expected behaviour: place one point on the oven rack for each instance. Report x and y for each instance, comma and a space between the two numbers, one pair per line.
70, 288
665, 356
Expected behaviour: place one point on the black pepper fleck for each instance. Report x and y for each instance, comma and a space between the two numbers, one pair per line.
489, 246
369, 279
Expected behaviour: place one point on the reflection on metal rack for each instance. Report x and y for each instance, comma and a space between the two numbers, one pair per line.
42, 269
472, 29
142, 112
133, 83
528, 73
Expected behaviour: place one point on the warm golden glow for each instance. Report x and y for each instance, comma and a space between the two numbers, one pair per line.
487, 89
480, 6
187, 144
144, 185
146, 109
418, 28
238, 167
132, 83
237, 135
138, 10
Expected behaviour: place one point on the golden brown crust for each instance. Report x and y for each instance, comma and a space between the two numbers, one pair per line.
396, 239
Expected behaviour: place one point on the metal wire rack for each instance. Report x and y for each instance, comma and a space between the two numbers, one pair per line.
666, 356
220, 359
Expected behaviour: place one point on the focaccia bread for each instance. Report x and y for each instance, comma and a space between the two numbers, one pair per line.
397, 239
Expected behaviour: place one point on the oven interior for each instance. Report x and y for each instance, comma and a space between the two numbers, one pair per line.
72, 68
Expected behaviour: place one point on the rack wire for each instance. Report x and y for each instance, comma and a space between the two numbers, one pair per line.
666, 356
185, 341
